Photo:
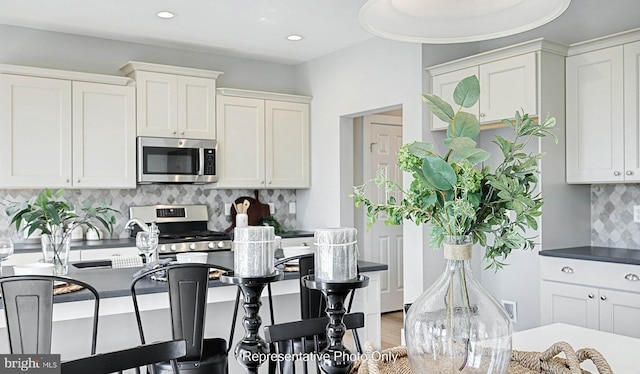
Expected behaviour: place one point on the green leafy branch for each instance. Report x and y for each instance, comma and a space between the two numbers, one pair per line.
456, 198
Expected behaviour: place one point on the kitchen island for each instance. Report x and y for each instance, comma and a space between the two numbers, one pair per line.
117, 325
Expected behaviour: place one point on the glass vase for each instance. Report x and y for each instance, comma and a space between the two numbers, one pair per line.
55, 250
457, 326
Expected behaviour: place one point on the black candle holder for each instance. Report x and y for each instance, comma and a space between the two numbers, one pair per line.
252, 350
335, 358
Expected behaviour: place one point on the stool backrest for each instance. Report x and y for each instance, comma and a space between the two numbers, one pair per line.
28, 306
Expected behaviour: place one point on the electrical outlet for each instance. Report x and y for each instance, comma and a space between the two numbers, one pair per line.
292, 208
636, 213
272, 208
511, 308
227, 209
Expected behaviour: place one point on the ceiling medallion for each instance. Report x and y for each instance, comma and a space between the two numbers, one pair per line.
456, 21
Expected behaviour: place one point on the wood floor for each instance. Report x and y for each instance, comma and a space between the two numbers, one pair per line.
391, 326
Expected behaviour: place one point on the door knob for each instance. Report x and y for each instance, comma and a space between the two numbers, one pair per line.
591, 296
616, 173
629, 172
603, 297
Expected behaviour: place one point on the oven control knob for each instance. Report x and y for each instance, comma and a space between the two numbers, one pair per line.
162, 248
192, 246
211, 245
173, 247
220, 244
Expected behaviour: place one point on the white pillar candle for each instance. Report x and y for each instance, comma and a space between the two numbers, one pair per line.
253, 248
336, 254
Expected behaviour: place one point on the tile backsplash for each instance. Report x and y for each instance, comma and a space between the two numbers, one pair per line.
162, 194
612, 215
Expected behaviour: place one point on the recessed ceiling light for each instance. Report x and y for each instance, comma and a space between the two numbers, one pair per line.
165, 14
295, 38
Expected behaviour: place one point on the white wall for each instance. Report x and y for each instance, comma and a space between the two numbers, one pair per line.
368, 77
23, 46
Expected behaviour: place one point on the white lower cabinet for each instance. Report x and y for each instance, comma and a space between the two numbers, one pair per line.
597, 295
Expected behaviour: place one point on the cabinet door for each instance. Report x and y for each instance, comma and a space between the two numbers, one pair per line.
506, 86
287, 144
240, 134
196, 107
157, 96
35, 122
104, 136
571, 304
631, 108
620, 312
595, 138
443, 86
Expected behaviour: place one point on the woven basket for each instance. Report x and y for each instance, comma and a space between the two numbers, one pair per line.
395, 361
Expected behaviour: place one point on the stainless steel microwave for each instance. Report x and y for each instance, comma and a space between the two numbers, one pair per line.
172, 160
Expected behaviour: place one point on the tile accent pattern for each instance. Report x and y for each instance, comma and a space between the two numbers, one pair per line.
161, 194
612, 215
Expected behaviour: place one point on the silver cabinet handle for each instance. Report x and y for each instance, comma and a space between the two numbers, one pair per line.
78, 181
567, 270
629, 172
616, 173
603, 298
482, 114
175, 132
591, 296
631, 277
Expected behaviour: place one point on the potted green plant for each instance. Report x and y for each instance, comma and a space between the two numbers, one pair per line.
56, 218
456, 323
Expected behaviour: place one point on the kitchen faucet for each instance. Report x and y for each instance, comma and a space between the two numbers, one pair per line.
142, 225
152, 229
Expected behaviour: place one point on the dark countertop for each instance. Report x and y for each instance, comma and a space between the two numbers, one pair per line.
604, 254
35, 246
116, 282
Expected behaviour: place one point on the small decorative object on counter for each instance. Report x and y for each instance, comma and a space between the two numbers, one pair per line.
242, 220
57, 218
254, 249
336, 254
6, 250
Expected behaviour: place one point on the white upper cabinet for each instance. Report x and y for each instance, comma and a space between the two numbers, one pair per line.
508, 82
35, 122
263, 140
603, 144
174, 101
507, 85
104, 135
62, 133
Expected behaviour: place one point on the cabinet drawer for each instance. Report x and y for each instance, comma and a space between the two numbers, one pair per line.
591, 273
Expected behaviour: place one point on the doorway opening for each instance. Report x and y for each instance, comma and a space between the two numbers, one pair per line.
375, 139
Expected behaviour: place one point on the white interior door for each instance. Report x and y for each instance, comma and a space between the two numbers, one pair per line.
384, 243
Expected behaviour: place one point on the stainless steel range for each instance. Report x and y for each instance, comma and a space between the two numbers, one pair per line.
183, 228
